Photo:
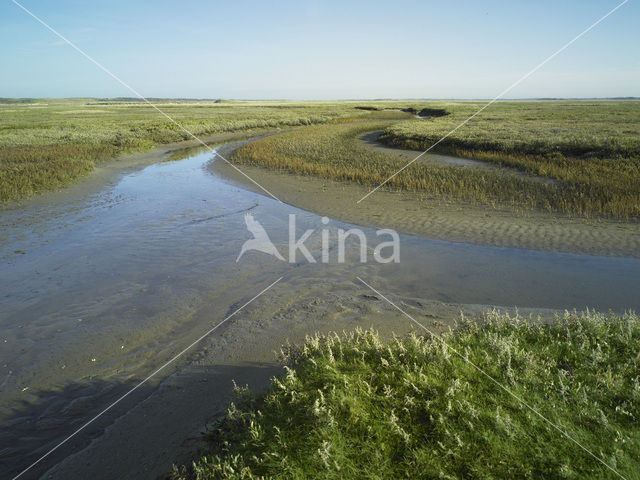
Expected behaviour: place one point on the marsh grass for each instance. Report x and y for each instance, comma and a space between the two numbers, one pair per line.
585, 186
355, 406
578, 129
29, 169
48, 143
593, 148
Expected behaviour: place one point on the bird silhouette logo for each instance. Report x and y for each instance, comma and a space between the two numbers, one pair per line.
260, 241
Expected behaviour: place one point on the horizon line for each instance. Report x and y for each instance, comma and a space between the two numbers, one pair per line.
382, 99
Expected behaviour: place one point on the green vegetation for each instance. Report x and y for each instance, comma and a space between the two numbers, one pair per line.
593, 148
354, 406
46, 143
602, 129
590, 151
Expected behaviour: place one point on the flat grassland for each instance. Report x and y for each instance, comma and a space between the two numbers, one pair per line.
412, 408
46, 143
589, 151
587, 154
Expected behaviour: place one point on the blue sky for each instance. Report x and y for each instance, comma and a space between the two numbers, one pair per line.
320, 49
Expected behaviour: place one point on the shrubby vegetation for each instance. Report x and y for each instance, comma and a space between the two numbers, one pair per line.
355, 406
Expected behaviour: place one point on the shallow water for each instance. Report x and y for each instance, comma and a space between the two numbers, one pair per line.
105, 287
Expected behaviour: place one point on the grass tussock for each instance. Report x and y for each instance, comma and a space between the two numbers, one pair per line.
588, 186
355, 406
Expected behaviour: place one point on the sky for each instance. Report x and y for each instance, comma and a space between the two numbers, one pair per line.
320, 49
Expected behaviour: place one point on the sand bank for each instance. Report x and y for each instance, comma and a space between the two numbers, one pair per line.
424, 215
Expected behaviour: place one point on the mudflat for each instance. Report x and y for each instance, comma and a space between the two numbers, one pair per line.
424, 215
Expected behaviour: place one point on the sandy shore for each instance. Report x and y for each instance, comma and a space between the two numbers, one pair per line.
419, 214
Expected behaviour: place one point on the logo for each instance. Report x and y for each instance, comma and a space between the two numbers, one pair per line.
384, 252
260, 241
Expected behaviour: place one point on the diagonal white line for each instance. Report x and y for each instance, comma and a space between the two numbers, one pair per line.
135, 92
155, 372
503, 93
479, 369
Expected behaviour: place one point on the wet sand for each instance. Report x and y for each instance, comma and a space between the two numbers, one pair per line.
108, 172
132, 273
169, 426
105, 281
423, 215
